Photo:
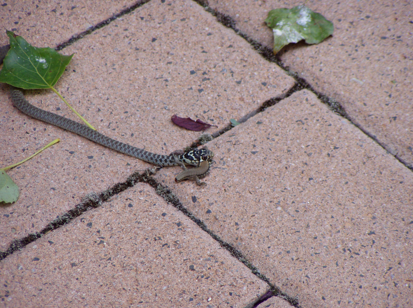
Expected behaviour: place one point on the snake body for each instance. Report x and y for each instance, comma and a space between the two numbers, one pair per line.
24, 106
192, 157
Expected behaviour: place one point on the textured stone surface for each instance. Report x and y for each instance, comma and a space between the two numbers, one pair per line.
136, 250
319, 208
53, 22
274, 302
128, 79
366, 65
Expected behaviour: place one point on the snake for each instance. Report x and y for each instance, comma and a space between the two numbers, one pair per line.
200, 159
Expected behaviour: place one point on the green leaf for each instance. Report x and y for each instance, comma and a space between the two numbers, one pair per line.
9, 191
299, 23
29, 67
234, 122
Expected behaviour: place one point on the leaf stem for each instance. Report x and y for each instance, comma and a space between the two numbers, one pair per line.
24, 160
68, 105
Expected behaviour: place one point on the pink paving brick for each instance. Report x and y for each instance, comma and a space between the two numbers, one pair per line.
135, 250
318, 207
128, 79
366, 66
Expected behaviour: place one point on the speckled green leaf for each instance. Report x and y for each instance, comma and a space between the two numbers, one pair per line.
296, 24
29, 67
9, 191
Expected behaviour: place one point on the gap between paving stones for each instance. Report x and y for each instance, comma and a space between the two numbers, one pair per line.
94, 201
265, 52
301, 83
102, 24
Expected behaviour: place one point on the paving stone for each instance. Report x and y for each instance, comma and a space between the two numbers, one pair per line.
366, 66
128, 79
317, 206
135, 250
275, 302
326, 217
53, 22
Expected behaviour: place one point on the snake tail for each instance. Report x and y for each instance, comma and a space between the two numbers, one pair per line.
20, 102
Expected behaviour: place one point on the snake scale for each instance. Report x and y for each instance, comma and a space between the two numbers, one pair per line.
196, 157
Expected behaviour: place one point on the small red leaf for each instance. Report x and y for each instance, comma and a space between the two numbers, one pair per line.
190, 124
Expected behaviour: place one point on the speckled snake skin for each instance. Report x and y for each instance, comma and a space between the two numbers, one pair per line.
24, 106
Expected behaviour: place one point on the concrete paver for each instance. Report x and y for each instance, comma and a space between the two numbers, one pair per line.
128, 79
53, 22
319, 208
366, 65
274, 302
316, 206
135, 250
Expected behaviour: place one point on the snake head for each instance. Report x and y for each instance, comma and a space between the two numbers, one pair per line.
195, 157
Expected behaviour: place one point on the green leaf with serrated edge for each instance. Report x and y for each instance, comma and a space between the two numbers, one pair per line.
296, 24
9, 191
29, 67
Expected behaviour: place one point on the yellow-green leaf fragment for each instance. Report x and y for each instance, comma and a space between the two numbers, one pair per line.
29, 67
31, 156
9, 191
296, 24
